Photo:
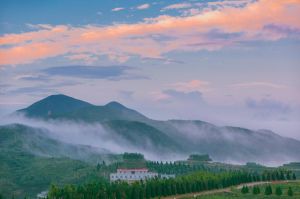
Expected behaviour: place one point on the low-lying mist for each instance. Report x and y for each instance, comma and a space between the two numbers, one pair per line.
225, 144
89, 134
237, 145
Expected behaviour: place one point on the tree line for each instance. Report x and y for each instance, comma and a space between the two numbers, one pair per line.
195, 182
174, 168
268, 190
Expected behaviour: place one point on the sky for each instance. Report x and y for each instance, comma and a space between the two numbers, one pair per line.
229, 62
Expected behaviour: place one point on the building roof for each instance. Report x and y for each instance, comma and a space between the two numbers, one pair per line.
139, 169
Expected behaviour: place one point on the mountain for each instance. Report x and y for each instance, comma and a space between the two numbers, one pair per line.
235, 143
30, 161
65, 107
65, 137
53, 105
143, 136
129, 128
38, 142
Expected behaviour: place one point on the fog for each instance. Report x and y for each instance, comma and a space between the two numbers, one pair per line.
223, 144
238, 145
89, 134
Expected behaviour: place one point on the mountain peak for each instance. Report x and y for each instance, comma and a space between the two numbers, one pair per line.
57, 95
53, 105
115, 104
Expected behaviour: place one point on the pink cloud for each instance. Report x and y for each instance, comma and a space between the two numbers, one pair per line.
119, 42
192, 85
117, 9
82, 57
177, 6
143, 6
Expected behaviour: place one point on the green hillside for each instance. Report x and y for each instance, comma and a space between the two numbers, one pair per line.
236, 193
30, 161
37, 142
25, 174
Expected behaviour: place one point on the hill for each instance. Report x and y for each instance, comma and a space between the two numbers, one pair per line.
65, 107
31, 161
231, 144
37, 142
53, 105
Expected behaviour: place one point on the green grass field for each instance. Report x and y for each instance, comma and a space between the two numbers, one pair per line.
236, 193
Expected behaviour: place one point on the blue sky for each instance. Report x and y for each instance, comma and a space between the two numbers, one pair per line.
167, 59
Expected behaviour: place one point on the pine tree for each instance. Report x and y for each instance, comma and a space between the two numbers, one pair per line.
148, 192
281, 175
294, 176
98, 167
290, 192
263, 177
256, 190
278, 191
245, 190
268, 190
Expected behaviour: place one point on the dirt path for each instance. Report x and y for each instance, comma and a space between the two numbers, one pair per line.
191, 195
197, 194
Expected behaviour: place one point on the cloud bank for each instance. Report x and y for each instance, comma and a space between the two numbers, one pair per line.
94, 135
267, 20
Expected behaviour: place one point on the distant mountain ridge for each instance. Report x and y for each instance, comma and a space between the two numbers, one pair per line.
65, 107
54, 105
173, 136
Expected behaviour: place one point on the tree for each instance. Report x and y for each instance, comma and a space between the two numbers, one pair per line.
281, 175
268, 190
294, 176
245, 190
256, 190
290, 192
98, 167
288, 176
278, 191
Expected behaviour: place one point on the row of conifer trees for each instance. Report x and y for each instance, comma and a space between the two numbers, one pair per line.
195, 182
268, 190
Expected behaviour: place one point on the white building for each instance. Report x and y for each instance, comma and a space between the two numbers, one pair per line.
130, 175
42, 195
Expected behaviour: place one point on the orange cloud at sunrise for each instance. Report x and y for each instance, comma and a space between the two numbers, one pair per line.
153, 37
